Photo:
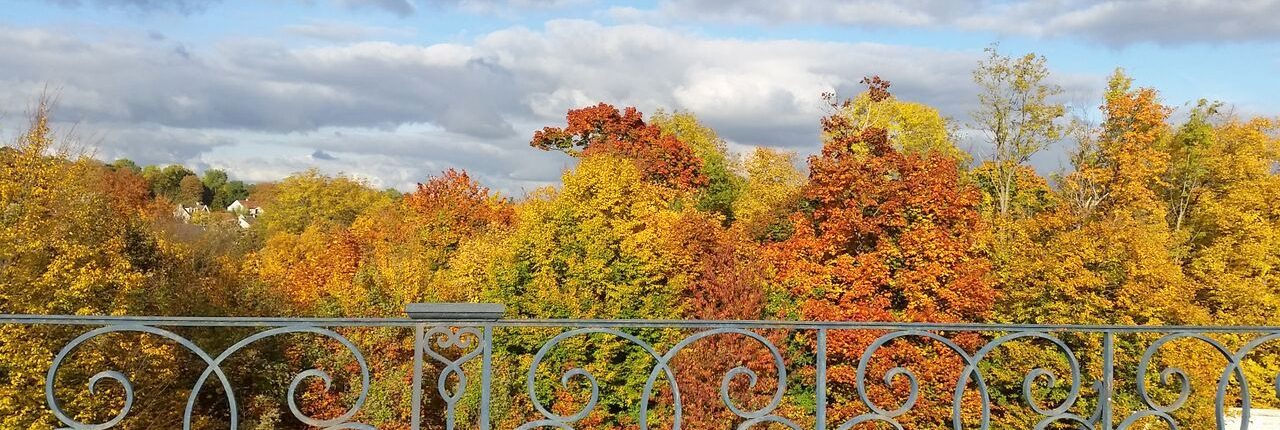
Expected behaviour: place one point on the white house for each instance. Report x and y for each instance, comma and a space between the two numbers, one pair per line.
245, 212
184, 213
244, 207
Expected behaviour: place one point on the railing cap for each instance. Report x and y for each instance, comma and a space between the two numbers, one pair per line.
456, 311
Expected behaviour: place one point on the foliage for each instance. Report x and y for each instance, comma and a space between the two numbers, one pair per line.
724, 186
1018, 114
311, 199
661, 157
770, 193
912, 127
886, 235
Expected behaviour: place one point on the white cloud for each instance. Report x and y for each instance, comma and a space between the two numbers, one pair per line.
1109, 22
399, 112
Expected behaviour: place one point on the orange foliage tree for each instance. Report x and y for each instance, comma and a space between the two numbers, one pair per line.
886, 236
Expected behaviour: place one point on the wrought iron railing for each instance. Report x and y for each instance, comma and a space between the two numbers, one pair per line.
1094, 376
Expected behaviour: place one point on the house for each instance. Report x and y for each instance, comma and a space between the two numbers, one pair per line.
184, 213
245, 207
245, 211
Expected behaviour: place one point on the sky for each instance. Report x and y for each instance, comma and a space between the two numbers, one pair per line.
393, 91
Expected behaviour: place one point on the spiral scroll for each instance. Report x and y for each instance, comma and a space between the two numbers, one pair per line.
662, 368
213, 368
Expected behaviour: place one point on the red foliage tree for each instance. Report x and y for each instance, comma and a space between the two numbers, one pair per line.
726, 285
603, 129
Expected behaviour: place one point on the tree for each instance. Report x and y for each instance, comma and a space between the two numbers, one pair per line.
458, 206
769, 194
214, 178
724, 269
912, 127
1184, 179
1230, 232
69, 250
166, 182
886, 235
723, 184
310, 198
228, 193
126, 191
603, 129
213, 181
1106, 255
190, 190
1016, 112
591, 249
126, 164
1228, 216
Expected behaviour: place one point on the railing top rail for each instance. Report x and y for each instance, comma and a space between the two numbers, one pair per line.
171, 321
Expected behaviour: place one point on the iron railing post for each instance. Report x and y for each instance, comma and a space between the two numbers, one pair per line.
416, 409
486, 368
820, 408
1108, 379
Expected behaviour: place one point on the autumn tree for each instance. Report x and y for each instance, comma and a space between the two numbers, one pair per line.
770, 193
724, 185
662, 157
1225, 209
910, 126
75, 244
888, 236
1017, 113
313, 199
724, 271
591, 249
190, 190
1105, 254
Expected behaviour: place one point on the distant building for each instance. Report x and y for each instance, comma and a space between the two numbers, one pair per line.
245, 207
246, 211
184, 213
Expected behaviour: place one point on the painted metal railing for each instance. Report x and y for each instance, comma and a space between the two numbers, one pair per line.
1085, 398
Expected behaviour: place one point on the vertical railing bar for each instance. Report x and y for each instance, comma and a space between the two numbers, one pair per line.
820, 410
416, 407
486, 368
1108, 378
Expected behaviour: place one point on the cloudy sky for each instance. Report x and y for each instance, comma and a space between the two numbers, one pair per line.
396, 90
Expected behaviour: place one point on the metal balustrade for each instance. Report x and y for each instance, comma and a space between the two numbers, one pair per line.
454, 344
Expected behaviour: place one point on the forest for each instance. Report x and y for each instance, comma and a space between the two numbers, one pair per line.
1168, 214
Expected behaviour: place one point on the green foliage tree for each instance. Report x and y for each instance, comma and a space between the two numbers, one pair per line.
190, 191
1018, 113
166, 182
126, 164
724, 185
228, 193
